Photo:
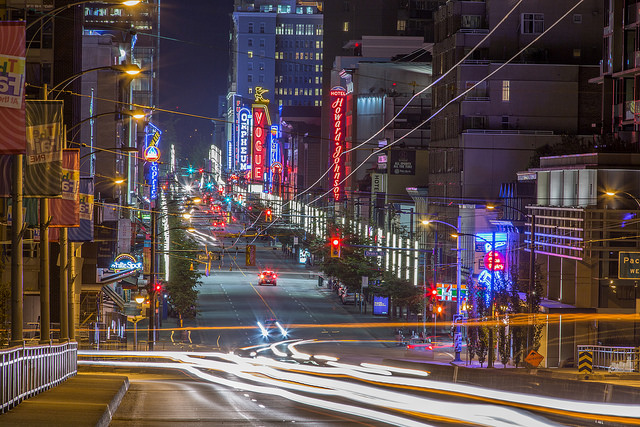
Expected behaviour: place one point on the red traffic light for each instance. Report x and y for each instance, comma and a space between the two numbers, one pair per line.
269, 212
335, 247
200, 170
434, 292
157, 287
335, 242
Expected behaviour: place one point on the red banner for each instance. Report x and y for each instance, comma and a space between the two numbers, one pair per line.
12, 82
65, 212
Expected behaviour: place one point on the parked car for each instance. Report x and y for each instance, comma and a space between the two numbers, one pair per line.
348, 297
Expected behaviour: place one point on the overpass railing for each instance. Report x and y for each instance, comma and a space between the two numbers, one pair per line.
614, 359
27, 371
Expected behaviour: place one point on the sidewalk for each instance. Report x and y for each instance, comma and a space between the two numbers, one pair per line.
88, 399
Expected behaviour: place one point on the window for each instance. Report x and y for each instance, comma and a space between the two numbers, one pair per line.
250, 29
532, 23
261, 66
401, 25
471, 21
505, 122
249, 78
250, 42
345, 26
249, 66
261, 42
577, 18
505, 90
262, 28
261, 78
250, 54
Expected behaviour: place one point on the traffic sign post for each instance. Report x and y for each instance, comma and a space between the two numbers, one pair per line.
534, 358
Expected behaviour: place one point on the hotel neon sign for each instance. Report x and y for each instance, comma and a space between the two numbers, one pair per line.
338, 95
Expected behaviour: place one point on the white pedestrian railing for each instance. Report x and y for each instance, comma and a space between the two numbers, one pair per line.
614, 359
27, 371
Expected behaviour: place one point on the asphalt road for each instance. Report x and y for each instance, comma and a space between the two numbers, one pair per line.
231, 299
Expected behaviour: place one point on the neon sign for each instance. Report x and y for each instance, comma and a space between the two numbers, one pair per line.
125, 262
243, 138
274, 155
494, 261
152, 155
260, 123
338, 95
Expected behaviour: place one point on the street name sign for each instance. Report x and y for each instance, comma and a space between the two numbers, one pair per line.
373, 253
629, 265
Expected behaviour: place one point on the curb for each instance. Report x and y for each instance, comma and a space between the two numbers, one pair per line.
113, 405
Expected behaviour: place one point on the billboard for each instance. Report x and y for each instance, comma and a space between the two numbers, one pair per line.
261, 123
152, 156
244, 117
380, 305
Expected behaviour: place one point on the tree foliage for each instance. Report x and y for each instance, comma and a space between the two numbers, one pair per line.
183, 282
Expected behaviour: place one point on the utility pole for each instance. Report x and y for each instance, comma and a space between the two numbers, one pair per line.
45, 279
152, 279
457, 339
493, 283
17, 278
532, 274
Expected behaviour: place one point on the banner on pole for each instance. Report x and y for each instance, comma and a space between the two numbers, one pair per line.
65, 212
12, 79
43, 162
84, 233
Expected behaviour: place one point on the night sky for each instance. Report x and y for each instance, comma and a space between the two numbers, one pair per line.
194, 60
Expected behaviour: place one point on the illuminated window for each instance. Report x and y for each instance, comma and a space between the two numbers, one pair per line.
317, 44
401, 25
295, 93
250, 54
505, 90
345, 26
532, 23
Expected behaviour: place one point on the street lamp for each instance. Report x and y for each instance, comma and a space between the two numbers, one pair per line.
458, 335
613, 194
128, 69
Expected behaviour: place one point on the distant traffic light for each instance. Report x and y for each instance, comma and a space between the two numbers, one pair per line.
439, 309
335, 247
157, 287
201, 170
267, 215
434, 293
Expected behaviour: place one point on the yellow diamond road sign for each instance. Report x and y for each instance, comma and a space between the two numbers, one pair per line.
534, 358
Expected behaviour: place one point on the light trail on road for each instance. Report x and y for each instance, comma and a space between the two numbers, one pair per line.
396, 396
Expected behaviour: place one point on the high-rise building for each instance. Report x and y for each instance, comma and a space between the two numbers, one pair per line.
276, 58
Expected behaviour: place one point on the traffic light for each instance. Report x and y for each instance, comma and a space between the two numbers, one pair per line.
157, 287
201, 170
433, 293
335, 247
267, 215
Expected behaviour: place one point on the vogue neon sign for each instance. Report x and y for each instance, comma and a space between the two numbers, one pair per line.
338, 129
260, 123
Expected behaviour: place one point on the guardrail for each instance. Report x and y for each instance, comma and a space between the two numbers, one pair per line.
27, 371
614, 359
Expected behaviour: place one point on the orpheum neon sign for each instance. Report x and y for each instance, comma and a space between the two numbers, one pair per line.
338, 95
261, 124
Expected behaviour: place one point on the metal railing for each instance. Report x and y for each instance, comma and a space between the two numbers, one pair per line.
27, 371
614, 359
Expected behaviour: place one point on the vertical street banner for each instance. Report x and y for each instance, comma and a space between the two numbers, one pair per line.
84, 233
12, 83
65, 212
43, 162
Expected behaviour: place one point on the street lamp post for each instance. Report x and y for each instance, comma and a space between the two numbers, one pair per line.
458, 334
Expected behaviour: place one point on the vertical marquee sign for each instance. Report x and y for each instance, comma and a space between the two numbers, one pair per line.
243, 138
338, 95
152, 156
261, 124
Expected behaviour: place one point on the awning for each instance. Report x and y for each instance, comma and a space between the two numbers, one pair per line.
117, 276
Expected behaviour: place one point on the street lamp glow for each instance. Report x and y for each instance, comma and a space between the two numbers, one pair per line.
186, 215
118, 181
196, 200
139, 298
191, 229
610, 193
130, 2
426, 222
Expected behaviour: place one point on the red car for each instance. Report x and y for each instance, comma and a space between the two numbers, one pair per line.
267, 277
